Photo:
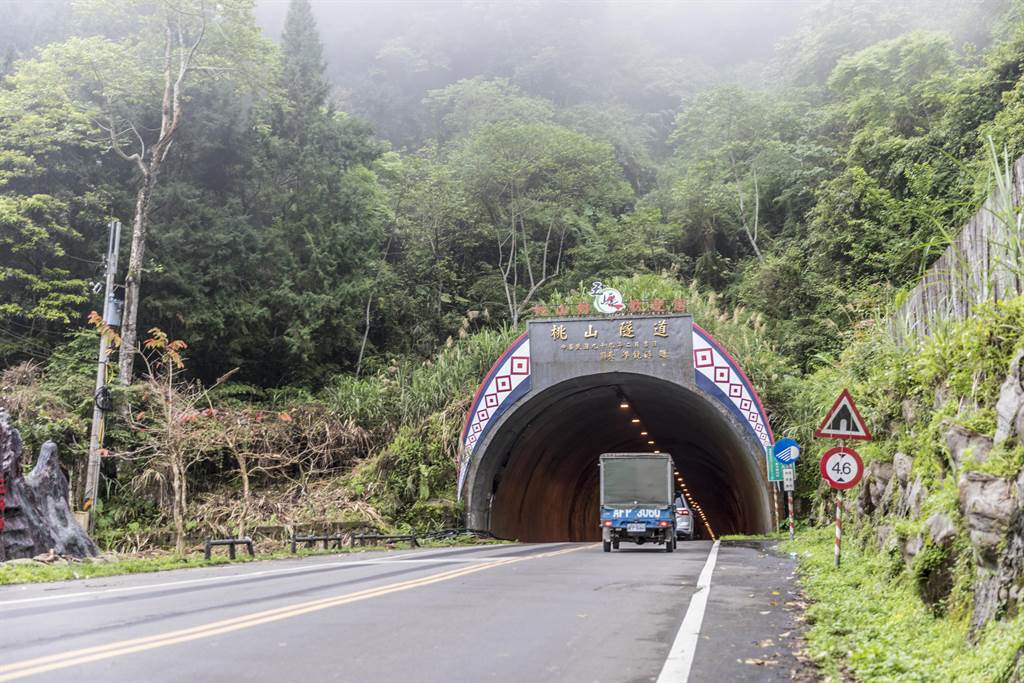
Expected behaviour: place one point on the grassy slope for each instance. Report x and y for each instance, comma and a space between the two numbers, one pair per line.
867, 620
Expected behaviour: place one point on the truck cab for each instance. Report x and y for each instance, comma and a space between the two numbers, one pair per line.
637, 500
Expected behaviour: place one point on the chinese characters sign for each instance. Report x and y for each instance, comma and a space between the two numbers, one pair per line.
655, 345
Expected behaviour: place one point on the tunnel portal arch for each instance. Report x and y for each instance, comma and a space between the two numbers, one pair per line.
568, 390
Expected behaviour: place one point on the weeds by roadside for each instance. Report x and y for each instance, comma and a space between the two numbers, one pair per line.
866, 620
65, 571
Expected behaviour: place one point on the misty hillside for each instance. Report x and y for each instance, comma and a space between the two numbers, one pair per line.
335, 216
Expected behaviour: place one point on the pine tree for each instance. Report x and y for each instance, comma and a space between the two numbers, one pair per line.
302, 66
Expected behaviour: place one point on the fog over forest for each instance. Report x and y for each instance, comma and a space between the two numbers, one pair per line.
383, 57
336, 216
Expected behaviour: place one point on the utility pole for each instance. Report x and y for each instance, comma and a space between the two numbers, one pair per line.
112, 317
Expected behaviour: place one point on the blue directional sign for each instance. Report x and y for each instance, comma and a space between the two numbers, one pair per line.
786, 451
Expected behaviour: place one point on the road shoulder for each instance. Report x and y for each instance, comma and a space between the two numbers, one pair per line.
753, 627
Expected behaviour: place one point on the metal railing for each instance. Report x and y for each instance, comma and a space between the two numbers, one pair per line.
230, 543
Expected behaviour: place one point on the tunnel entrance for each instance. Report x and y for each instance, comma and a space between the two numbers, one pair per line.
571, 389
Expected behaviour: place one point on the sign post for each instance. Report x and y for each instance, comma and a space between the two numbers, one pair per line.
787, 452
789, 483
839, 528
3, 506
775, 506
842, 467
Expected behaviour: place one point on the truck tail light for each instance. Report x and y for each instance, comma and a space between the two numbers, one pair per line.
607, 522
682, 511
663, 523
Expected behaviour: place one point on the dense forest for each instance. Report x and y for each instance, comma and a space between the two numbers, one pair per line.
337, 212
336, 215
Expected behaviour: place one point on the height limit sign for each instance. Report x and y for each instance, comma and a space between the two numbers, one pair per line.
842, 467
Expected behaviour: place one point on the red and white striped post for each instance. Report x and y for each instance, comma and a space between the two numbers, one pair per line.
775, 502
3, 506
789, 499
839, 525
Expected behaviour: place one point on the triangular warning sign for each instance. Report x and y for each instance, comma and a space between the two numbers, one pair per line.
844, 421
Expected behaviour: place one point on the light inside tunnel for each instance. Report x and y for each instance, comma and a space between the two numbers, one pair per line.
538, 479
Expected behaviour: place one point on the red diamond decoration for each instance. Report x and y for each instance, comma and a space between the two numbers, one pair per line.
481, 415
702, 358
752, 416
735, 390
758, 428
476, 427
745, 404
491, 400
503, 383
721, 374
520, 365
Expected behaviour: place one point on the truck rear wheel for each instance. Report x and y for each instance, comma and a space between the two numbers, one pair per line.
607, 546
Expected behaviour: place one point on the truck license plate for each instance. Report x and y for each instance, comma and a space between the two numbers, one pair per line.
636, 527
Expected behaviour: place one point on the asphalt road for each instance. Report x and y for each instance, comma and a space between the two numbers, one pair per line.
554, 612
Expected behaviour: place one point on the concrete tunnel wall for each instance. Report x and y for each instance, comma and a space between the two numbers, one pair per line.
550, 405
537, 476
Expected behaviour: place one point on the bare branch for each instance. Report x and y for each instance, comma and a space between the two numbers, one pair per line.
115, 143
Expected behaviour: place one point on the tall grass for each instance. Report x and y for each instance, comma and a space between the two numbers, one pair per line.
407, 392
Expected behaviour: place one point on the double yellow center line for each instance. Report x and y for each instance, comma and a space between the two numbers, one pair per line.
64, 660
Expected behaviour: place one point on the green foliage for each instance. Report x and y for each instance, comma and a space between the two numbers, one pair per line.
37, 288
870, 622
10, 574
412, 480
408, 392
363, 290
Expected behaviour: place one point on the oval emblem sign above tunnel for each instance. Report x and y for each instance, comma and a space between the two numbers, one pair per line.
607, 300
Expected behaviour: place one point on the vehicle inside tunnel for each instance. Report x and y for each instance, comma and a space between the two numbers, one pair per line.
538, 480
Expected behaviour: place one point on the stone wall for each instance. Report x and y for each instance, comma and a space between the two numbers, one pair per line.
990, 507
984, 263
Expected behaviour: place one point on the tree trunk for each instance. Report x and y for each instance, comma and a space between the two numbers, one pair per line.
243, 470
133, 279
178, 505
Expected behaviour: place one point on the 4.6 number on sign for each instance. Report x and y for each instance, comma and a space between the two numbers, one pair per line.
841, 467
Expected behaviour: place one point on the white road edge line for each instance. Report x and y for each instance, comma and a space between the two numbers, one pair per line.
407, 557
680, 657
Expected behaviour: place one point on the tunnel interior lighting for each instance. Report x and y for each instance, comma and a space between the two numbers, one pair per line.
643, 433
623, 405
636, 420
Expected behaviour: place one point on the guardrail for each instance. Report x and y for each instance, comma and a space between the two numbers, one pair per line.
230, 543
310, 541
374, 539
455, 533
